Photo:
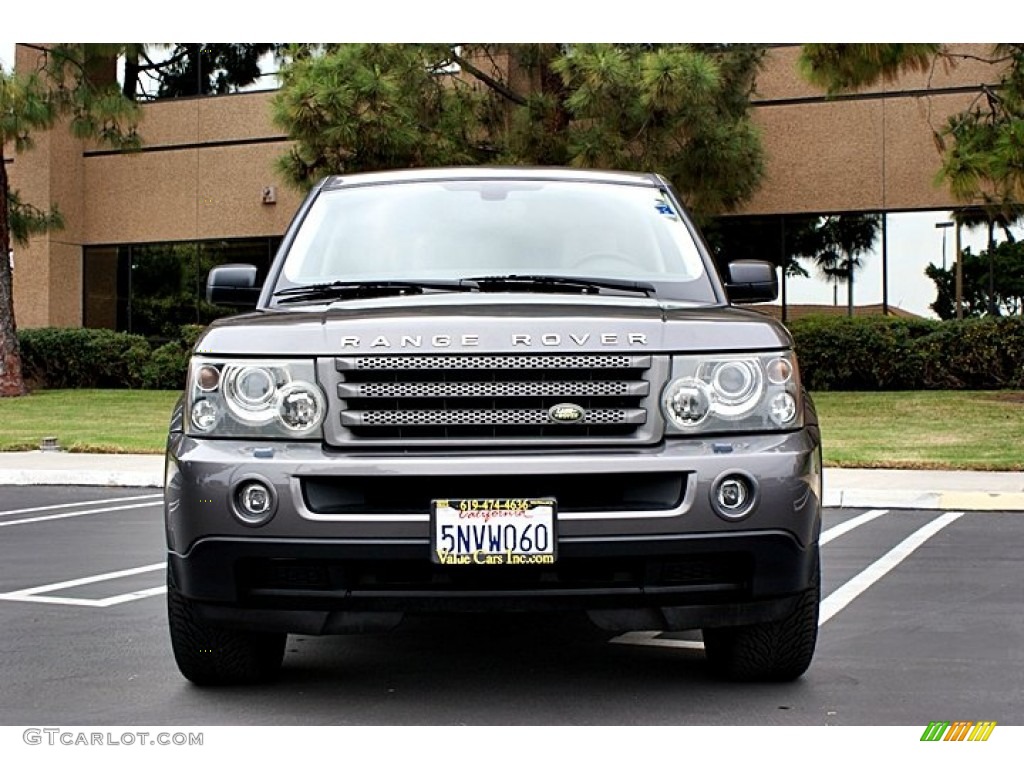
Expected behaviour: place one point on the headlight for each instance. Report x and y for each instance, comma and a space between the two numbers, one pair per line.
254, 398
736, 386
730, 393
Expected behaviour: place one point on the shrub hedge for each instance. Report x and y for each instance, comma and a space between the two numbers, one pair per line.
96, 358
887, 353
836, 353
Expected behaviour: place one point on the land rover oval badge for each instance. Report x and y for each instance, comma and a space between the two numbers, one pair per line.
566, 413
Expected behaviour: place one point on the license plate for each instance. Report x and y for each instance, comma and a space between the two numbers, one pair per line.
493, 531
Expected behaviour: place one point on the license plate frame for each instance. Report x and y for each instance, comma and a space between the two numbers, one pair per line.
478, 531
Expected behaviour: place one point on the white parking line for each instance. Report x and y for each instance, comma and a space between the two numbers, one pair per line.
118, 500
48, 599
137, 595
35, 594
79, 513
88, 580
847, 593
838, 530
842, 596
86, 602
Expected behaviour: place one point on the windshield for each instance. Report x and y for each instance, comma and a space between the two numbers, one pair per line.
464, 229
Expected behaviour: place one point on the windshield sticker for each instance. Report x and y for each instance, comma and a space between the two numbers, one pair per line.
664, 208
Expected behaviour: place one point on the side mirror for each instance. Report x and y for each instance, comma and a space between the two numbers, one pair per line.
233, 285
751, 282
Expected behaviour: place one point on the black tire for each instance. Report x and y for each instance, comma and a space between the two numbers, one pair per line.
209, 655
775, 651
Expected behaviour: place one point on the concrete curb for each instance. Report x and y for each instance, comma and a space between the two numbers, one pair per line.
971, 501
112, 478
924, 489
59, 468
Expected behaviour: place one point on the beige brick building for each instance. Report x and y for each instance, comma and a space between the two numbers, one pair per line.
201, 176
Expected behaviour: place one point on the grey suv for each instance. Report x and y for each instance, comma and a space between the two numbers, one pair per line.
491, 389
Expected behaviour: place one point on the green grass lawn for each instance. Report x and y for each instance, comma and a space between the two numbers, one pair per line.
936, 430
917, 430
88, 420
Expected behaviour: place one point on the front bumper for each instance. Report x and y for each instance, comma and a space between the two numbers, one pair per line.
658, 559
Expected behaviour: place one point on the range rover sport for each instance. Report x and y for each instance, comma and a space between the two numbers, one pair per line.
490, 389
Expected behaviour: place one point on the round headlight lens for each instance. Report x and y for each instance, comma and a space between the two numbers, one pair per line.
737, 386
251, 391
207, 378
780, 370
205, 415
301, 406
687, 402
253, 388
734, 380
782, 408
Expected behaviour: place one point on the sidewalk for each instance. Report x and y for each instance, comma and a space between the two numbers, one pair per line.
856, 488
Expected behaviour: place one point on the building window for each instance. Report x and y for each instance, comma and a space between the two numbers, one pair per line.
154, 289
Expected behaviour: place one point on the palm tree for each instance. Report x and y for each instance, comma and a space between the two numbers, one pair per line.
992, 214
836, 244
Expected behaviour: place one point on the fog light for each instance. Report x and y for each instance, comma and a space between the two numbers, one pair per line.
255, 502
734, 495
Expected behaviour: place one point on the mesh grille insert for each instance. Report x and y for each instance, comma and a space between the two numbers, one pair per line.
489, 417
437, 397
466, 389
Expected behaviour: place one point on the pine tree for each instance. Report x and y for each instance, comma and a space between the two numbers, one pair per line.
681, 110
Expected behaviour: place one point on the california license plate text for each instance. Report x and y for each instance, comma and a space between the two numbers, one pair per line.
494, 532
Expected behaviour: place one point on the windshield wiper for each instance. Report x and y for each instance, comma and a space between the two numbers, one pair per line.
555, 283
354, 289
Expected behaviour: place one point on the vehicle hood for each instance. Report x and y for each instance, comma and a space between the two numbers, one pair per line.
485, 323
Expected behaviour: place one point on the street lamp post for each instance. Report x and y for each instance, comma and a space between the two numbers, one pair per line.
944, 225
959, 273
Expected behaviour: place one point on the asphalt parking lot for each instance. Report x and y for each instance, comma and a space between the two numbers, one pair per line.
921, 621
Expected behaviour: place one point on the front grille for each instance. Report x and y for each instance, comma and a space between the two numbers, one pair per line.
434, 398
